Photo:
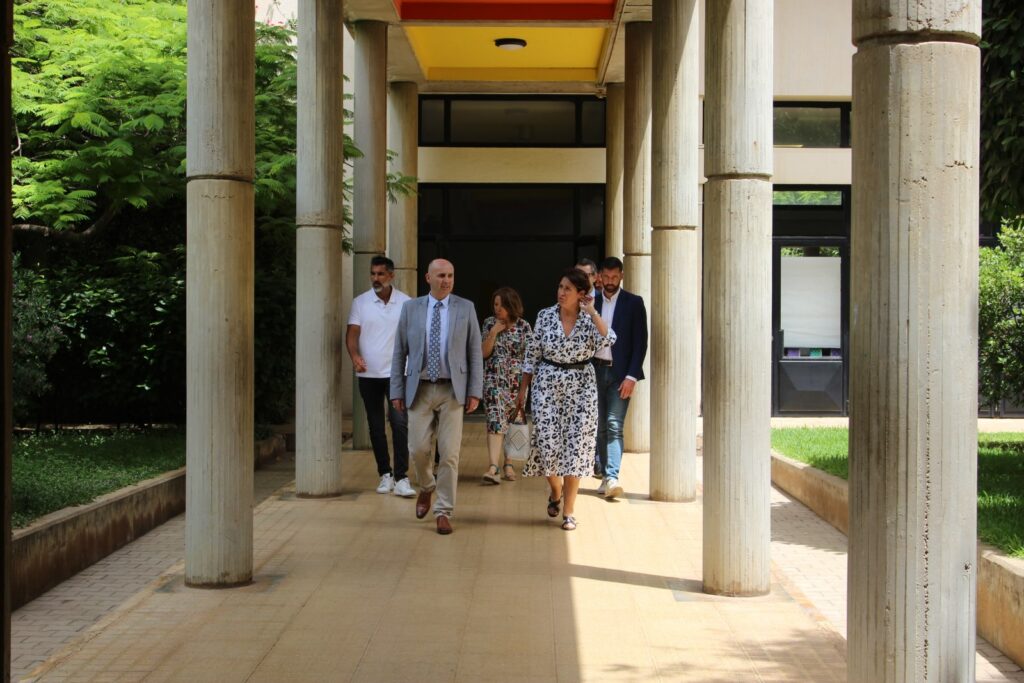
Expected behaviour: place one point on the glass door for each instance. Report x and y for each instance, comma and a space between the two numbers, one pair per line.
810, 330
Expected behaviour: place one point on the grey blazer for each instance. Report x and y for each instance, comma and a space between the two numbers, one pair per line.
465, 355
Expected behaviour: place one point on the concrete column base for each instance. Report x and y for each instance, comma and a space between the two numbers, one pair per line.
675, 341
360, 428
913, 350
319, 347
219, 385
637, 432
737, 386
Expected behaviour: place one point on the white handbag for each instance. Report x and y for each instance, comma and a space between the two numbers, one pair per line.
517, 441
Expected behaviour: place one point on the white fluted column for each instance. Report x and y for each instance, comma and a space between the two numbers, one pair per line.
219, 293
403, 227
676, 241
319, 218
636, 205
913, 341
737, 297
614, 130
369, 197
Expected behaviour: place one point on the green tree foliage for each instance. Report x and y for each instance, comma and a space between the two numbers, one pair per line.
1002, 110
1001, 318
99, 179
98, 91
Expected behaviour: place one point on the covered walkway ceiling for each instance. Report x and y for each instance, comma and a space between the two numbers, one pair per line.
448, 45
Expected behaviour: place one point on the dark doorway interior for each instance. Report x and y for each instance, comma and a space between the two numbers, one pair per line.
521, 236
810, 300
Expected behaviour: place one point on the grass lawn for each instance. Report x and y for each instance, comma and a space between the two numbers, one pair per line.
54, 470
1000, 476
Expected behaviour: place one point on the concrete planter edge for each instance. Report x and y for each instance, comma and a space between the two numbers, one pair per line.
57, 546
1000, 608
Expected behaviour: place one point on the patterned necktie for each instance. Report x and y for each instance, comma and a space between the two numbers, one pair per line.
434, 347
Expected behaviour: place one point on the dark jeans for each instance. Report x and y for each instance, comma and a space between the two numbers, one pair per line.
611, 418
375, 396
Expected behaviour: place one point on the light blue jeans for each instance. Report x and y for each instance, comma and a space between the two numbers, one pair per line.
611, 417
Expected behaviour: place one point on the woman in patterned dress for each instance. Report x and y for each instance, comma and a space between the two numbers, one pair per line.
505, 335
557, 363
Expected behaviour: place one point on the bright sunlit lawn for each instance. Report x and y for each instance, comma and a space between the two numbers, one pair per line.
1000, 476
55, 470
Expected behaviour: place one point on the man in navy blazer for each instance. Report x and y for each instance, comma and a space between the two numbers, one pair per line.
618, 370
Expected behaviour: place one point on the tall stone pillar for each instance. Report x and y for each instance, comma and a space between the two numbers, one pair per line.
403, 228
219, 293
613, 138
913, 341
737, 297
369, 200
676, 240
636, 205
319, 342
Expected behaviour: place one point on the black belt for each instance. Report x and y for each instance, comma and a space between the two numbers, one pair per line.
601, 362
565, 366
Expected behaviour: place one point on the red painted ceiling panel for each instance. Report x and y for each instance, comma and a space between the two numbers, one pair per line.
505, 10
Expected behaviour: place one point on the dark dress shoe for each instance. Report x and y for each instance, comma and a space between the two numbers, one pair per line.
444, 527
422, 504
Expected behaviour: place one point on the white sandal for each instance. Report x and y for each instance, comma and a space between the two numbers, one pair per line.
492, 477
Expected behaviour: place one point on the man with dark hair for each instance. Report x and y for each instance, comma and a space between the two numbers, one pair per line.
590, 268
369, 338
618, 369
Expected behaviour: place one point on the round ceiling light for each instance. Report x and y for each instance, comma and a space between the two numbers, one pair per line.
509, 43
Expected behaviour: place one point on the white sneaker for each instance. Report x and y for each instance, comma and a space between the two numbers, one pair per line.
404, 489
603, 488
614, 489
387, 482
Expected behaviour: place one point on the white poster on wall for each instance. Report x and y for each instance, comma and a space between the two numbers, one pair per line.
811, 301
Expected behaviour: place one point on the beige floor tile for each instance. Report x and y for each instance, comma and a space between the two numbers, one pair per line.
356, 589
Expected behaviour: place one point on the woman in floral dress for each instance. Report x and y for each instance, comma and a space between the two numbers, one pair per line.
505, 335
557, 364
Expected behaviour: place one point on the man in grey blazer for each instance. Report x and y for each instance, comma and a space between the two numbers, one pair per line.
436, 369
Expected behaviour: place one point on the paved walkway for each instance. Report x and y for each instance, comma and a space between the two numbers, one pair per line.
45, 625
356, 589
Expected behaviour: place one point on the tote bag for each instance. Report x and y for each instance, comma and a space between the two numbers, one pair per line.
517, 441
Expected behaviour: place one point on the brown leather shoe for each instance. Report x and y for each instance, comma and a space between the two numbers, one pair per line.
444, 527
422, 504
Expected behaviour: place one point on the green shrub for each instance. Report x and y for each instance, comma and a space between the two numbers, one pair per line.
1001, 318
124, 315
36, 336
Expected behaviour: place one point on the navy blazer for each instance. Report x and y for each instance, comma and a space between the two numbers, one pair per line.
630, 325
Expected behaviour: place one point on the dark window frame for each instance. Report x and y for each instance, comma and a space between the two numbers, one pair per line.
577, 236
845, 109
577, 101
445, 241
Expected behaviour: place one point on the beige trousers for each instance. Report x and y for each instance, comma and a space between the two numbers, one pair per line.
435, 412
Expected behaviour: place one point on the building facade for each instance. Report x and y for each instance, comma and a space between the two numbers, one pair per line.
736, 182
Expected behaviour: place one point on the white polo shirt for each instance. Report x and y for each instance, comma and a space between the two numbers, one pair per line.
378, 323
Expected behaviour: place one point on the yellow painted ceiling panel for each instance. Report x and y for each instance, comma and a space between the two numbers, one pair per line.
469, 51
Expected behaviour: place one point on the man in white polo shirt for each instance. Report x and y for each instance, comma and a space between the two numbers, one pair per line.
370, 339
